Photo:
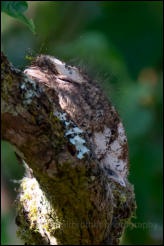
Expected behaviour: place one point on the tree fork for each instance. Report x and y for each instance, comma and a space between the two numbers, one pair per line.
65, 197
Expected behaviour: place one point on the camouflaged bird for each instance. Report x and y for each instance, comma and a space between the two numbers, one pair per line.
83, 100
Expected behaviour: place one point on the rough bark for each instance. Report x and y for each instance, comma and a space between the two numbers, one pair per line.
65, 197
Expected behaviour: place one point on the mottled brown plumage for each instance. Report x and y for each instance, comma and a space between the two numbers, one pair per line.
84, 102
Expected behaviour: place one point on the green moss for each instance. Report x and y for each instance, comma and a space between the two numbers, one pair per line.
71, 182
71, 206
30, 211
30, 58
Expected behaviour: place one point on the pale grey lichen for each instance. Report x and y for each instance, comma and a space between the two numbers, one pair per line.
61, 116
74, 133
29, 88
74, 130
79, 144
92, 178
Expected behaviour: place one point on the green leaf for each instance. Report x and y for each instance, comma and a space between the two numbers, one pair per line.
16, 10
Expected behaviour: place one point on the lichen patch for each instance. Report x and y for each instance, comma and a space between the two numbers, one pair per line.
79, 145
28, 87
74, 134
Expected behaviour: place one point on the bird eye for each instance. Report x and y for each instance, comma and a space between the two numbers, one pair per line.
67, 80
110, 172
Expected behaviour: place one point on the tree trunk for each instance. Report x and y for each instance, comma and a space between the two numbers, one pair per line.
67, 196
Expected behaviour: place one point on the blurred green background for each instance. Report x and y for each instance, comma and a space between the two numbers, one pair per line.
119, 44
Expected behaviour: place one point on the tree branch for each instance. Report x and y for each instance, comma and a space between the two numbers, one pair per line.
66, 196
